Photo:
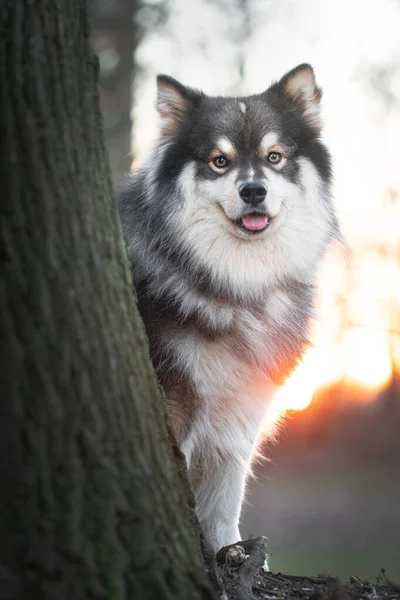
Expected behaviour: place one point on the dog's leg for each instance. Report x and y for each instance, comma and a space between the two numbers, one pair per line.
219, 500
219, 486
219, 489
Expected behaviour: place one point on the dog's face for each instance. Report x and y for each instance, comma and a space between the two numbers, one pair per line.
252, 178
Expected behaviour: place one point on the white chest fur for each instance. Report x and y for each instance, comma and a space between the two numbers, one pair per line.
233, 392
233, 398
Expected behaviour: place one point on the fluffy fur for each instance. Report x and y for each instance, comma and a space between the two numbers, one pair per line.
227, 309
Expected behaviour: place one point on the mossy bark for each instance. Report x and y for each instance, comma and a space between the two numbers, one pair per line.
92, 504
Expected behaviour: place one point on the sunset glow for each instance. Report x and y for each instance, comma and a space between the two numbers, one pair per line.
366, 357
297, 393
362, 360
362, 357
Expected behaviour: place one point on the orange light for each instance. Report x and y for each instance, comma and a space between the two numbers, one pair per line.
366, 357
297, 392
396, 352
363, 358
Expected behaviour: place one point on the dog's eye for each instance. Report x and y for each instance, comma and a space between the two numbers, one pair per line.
220, 162
274, 157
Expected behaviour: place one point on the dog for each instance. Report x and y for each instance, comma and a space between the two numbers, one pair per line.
225, 226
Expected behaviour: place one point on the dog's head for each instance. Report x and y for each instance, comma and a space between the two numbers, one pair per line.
251, 179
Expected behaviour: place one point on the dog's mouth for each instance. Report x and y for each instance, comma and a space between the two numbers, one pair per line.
254, 222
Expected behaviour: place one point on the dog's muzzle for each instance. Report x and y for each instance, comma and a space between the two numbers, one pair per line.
253, 192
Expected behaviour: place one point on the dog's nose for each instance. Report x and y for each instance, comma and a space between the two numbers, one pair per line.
253, 192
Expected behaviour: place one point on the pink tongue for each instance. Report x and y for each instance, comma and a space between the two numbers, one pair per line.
255, 222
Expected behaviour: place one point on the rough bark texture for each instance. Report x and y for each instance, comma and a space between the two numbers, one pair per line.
91, 502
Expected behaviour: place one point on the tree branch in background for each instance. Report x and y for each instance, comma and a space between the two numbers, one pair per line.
118, 27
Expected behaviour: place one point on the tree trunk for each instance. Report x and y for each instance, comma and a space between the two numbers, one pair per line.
92, 504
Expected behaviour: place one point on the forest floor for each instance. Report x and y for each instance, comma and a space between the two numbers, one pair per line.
272, 586
278, 586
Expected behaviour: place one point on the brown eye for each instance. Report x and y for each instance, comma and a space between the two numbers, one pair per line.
220, 162
274, 157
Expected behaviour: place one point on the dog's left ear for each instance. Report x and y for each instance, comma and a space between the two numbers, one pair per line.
175, 103
300, 88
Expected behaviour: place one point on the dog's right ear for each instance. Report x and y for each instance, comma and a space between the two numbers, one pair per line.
175, 103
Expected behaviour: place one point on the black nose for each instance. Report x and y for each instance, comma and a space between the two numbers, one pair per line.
253, 192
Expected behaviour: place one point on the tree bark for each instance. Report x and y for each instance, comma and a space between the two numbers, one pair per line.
92, 504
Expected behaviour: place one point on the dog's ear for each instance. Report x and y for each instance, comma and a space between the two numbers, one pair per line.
175, 103
300, 88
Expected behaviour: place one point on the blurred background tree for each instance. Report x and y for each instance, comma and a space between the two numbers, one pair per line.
118, 26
